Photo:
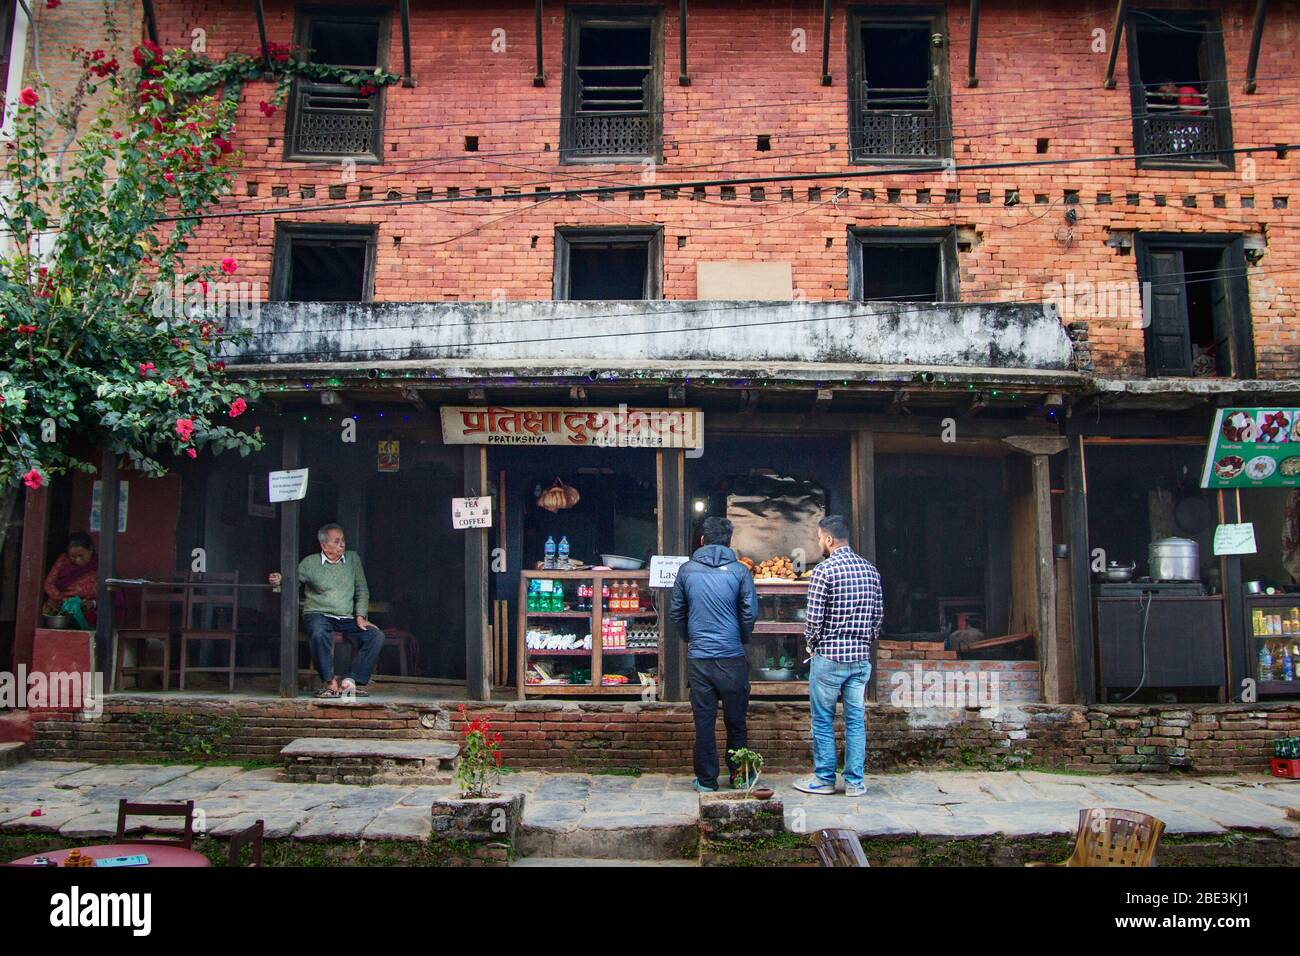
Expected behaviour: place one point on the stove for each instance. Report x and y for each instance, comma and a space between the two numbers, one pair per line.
1144, 586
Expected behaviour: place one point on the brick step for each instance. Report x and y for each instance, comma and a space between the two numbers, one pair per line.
579, 861
370, 761
630, 839
14, 753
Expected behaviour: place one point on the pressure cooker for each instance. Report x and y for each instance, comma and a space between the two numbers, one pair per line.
1174, 559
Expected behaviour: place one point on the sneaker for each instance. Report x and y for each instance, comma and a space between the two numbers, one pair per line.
852, 791
702, 788
811, 784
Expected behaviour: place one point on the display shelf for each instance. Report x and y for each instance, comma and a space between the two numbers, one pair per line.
1273, 622
596, 616
777, 634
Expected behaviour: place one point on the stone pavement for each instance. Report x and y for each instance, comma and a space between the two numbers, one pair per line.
575, 815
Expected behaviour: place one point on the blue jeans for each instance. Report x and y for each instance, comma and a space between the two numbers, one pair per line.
828, 682
366, 645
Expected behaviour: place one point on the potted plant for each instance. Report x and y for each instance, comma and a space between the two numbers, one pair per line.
480, 760
749, 767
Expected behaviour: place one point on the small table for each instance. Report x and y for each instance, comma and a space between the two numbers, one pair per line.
159, 854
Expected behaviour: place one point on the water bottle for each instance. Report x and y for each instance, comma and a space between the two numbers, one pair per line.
1265, 664
548, 561
1288, 664
563, 564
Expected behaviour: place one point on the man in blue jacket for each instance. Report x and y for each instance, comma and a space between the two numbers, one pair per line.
715, 605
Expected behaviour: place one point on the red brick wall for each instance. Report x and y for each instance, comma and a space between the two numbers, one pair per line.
742, 54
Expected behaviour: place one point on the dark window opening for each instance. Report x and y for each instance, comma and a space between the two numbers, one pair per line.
324, 264
6, 43
336, 120
611, 81
605, 266
909, 267
898, 87
1179, 97
1197, 316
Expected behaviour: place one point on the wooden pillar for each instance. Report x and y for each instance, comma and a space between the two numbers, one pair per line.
1044, 567
674, 532
1076, 524
1238, 654
32, 564
863, 519
290, 455
478, 672
110, 481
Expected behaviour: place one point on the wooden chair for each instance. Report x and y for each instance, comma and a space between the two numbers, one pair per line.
250, 837
156, 602
186, 810
836, 847
214, 604
1109, 837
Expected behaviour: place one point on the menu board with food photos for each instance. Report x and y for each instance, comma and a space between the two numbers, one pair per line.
1254, 448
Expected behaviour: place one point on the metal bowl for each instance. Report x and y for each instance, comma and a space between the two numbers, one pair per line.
776, 673
621, 562
57, 622
1117, 574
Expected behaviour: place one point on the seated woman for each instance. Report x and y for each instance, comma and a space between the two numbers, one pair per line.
73, 576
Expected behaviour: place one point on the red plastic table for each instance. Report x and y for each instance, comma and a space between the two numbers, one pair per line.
159, 854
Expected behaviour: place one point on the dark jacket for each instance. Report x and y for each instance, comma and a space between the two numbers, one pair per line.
714, 603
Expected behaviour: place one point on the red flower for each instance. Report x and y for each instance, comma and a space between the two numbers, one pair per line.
222, 144
229, 266
115, 134
97, 54
185, 428
367, 89
147, 53
169, 177
28, 329
28, 96
107, 68
191, 452
147, 367
266, 108
203, 286
157, 125
237, 408
33, 479
496, 755
53, 4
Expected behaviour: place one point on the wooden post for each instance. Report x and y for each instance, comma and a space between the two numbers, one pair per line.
478, 676
972, 79
1238, 657
1045, 569
405, 8
290, 456
539, 77
826, 43
32, 560
1076, 524
110, 482
1116, 34
673, 539
1256, 37
864, 494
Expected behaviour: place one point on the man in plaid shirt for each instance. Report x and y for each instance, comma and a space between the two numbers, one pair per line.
845, 609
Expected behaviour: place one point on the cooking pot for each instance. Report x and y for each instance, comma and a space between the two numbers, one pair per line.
1254, 587
1117, 573
1174, 559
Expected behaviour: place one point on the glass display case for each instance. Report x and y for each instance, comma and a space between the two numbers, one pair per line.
776, 649
1273, 643
587, 633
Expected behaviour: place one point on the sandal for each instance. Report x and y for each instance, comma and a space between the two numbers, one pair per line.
350, 689
326, 693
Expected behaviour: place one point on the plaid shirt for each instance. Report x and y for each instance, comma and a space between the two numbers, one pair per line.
845, 607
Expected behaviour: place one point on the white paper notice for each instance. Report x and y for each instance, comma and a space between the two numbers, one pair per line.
663, 569
471, 512
287, 485
1235, 539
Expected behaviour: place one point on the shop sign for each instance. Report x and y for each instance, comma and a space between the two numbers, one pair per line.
1254, 448
621, 427
471, 512
664, 568
287, 485
1235, 539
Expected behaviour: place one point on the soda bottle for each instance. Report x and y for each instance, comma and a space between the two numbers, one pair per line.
532, 595
635, 603
1288, 664
1265, 663
548, 559
563, 554
604, 596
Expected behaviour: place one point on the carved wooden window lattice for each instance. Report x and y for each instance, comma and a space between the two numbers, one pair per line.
612, 80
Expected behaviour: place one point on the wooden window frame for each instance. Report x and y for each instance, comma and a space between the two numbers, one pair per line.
1216, 64
860, 239
935, 19
304, 16
568, 236
577, 17
286, 233
1233, 264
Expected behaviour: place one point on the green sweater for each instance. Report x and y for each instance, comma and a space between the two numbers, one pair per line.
338, 589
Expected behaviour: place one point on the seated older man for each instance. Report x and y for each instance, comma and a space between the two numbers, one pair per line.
337, 599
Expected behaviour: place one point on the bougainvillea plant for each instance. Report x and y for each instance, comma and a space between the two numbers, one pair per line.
480, 758
92, 227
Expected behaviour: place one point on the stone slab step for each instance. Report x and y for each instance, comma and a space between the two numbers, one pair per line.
536, 861
632, 837
14, 753
369, 761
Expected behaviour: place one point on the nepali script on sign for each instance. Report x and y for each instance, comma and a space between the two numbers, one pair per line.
621, 427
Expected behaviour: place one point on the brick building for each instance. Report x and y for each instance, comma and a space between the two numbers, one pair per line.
981, 289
